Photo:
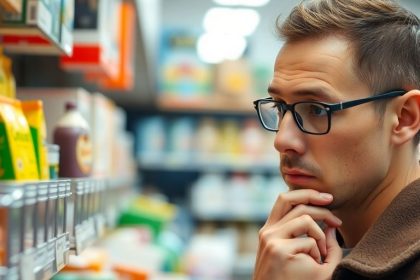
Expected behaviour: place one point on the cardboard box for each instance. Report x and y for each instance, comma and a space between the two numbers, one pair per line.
43, 27
95, 33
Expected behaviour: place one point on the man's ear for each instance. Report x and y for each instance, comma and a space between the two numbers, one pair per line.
407, 122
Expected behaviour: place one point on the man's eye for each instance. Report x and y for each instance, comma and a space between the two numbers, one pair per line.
317, 110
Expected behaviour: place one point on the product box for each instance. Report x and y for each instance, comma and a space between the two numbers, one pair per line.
11, 6
124, 79
54, 100
43, 27
182, 75
103, 134
17, 154
95, 46
234, 81
34, 113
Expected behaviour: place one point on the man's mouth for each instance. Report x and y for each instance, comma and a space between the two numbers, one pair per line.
297, 177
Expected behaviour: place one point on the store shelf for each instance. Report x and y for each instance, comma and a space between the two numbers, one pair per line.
226, 217
239, 165
208, 104
43, 222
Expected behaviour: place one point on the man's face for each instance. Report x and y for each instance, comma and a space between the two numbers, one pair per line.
353, 158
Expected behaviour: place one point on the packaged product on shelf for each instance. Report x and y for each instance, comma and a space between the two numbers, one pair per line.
18, 160
72, 134
234, 80
151, 140
7, 80
95, 34
103, 134
3, 78
230, 142
180, 145
53, 160
206, 140
43, 27
34, 114
252, 141
12, 6
54, 101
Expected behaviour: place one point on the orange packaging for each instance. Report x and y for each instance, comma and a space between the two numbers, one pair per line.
130, 273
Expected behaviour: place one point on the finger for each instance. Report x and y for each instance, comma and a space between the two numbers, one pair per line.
317, 213
305, 225
304, 245
334, 253
286, 201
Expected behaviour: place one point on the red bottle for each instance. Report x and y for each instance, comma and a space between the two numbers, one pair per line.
72, 134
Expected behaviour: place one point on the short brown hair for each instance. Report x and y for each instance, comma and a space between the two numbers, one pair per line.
385, 38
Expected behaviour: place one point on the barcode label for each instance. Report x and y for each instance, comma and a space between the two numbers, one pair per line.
27, 265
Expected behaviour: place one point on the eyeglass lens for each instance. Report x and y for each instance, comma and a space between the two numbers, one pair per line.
310, 117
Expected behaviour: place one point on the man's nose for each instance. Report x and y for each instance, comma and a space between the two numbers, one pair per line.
289, 137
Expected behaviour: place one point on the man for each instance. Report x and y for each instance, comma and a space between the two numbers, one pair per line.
345, 106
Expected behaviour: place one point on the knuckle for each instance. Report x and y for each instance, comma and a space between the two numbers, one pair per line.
306, 218
263, 235
312, 242
300, 209
282, 198
274, 249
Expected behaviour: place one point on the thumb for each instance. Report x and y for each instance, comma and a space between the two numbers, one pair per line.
334, 253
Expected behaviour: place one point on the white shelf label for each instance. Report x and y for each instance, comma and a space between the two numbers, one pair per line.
79, 236
27, 266
60, 249
100, 225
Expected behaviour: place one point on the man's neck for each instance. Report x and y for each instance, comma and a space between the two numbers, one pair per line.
357, 220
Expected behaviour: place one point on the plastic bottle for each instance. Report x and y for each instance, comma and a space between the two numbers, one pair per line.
72, 134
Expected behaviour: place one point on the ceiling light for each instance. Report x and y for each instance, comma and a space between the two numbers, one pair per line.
215, 47
242, 22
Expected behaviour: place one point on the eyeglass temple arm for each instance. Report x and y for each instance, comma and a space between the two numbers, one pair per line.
349, 104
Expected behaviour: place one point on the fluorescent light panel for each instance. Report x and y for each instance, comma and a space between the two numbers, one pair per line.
242, 22
216, 47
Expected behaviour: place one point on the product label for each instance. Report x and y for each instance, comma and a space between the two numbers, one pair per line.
6, 166
19, 150
84, 153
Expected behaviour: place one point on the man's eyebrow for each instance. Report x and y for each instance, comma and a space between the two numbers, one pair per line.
318, 93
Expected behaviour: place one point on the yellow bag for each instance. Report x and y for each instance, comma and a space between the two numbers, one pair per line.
34, 113
17, 155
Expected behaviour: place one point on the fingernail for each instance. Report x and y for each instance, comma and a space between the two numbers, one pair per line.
338, 220
326, 196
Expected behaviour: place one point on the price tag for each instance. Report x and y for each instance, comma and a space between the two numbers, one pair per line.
60, 249
91, 229
27, 267
100, 225
79, 235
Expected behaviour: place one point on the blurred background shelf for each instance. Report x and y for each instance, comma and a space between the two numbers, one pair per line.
211, 166
214, 105
58, 218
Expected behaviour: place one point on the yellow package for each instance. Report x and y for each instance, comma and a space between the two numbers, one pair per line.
4, 82
10, 79
17, 155
34, 113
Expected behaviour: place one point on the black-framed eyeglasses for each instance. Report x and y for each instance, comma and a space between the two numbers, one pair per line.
310, 116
